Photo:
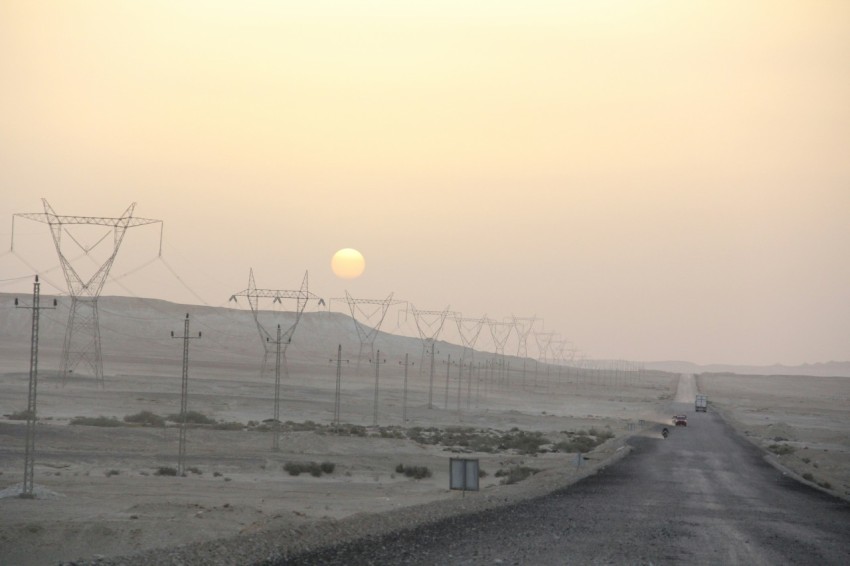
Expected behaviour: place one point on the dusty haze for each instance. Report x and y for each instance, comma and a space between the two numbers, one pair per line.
654, 180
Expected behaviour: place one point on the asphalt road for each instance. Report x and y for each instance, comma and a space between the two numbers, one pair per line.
702, 496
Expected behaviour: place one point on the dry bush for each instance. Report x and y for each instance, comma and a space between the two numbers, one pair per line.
96, 421
145, 418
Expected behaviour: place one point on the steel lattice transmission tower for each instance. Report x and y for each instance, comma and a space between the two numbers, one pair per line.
429, 324
524, 326
82, 335
368, 315
544, 341
301, 297
469, 330
500, 332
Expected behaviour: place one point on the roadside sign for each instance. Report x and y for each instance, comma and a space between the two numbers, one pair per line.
463, 474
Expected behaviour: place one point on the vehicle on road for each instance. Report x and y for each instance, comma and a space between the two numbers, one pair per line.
680, 420
701, 403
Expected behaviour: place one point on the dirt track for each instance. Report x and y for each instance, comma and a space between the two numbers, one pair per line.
703, 496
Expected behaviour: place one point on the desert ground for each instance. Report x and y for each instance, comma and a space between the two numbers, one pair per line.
100, 493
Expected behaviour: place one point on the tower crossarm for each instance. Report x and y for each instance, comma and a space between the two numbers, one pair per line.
430, 323
301, 296
276, 294
123, 222
369, 301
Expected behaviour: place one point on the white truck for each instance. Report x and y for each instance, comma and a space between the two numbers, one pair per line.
701, 403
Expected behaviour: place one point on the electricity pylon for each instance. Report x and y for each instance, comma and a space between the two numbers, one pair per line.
82, 336
544, 340
524, 326
429, 324
469, 330
368, 315
253, 294
500, 331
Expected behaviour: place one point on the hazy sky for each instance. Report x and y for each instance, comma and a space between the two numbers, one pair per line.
654, 179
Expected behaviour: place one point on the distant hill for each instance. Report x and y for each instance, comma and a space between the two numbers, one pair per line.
141, 328
825, 369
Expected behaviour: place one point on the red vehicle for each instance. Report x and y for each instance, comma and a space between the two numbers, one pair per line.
680, 420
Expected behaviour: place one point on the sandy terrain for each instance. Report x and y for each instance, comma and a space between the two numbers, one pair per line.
99, 495
802, 421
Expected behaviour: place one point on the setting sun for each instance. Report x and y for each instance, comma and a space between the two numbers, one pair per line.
348, 263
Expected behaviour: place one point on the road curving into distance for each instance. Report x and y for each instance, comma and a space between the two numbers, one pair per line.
702, 496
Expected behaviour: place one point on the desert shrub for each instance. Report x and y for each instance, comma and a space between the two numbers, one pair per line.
516, 474
19, 416
294, 468
806, 460
110, 473
391, 432
312, 468
483, 443
467, 437
808, 476
145, 418
825, 484
232, 425
523, 442
96, 421
217, 474
580, 444
348, 429
781, 449
306, 426
415, 472
195, 470
165, 471
430, 435
601, 435
584, 440
192, 417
